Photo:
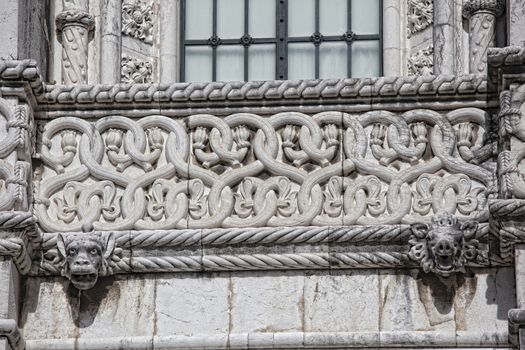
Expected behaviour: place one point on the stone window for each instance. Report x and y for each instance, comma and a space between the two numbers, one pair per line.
229, 40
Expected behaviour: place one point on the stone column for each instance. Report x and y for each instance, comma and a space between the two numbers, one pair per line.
444, 41
74, 25
169, 41
392, 37
110, 46
481, 15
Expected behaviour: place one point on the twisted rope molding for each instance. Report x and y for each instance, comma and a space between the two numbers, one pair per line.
261, 236
506, 56
267, 90
261, 262
16, 219
16, 248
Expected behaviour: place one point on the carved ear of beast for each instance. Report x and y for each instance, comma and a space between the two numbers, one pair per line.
61, 245
110, 246
419, 230
469, 229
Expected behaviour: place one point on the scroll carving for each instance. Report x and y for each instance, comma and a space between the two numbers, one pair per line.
245, 170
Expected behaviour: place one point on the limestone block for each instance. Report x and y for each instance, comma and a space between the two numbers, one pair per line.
267, 302
188, 304
9, 289
516, 24
341, 301
48, 309
471, 309
123, 305
401, 308
9, 29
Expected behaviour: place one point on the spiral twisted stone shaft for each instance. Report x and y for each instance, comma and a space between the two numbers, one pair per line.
74, 25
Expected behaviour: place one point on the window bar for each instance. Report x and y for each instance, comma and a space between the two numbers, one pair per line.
214, 47
282, 42
246, 34
349, 42
317, 43
380, 38
183, 40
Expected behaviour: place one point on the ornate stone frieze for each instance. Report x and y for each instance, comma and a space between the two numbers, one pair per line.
82, 258
444, 246
137, 20
420, 15
245, 170
135, 70
421, 62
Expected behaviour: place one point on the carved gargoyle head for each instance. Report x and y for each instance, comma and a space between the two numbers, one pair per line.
444, 246
84, 257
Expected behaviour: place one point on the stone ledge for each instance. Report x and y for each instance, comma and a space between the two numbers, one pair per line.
298, 340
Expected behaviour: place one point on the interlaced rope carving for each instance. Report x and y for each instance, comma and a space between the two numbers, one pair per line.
245, 170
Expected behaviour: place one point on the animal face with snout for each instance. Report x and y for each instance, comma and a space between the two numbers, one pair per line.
444, 246
84, 258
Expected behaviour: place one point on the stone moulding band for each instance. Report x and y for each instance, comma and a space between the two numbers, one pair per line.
55, 97
284, 340
137, 246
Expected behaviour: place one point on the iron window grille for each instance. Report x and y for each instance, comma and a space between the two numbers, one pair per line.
281, 40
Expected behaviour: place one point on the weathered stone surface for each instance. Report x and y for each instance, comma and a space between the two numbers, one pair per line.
9, 289
89, 314
267, 302
516, 24
341, 301
189, 304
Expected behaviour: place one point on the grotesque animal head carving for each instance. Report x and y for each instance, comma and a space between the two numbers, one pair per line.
444, 246
84, 257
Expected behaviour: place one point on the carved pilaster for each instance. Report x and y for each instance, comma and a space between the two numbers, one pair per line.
74, 25
481, 15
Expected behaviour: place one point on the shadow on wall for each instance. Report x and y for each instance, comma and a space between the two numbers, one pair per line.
84, 305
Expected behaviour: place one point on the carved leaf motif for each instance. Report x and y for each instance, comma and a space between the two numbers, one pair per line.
197, 205
244, 199
333, 195
286, 203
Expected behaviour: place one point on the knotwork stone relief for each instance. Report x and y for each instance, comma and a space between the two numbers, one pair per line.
246, 170
82, 258
444, 246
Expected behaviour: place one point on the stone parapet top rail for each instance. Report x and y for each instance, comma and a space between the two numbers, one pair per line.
409, 90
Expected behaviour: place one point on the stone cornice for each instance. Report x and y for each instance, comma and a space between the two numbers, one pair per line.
357, 94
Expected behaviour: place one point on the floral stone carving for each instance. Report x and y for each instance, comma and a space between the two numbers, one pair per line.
420, 15
444, 246
422, 62
84, 257
135, 71
137, 20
